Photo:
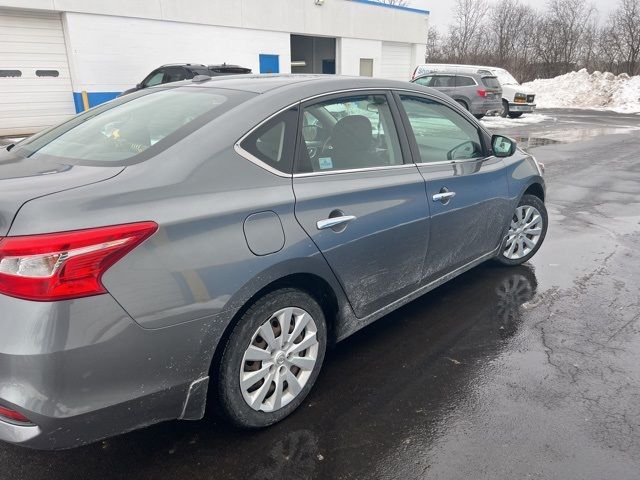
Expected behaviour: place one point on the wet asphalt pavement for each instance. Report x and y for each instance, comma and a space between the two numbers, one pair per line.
504, 373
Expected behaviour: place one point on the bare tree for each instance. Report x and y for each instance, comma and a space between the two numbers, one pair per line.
508, 29
465, 40
566, 35
623, 31
433, 52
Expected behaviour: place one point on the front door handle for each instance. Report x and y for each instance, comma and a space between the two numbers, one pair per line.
334, 221
443, 197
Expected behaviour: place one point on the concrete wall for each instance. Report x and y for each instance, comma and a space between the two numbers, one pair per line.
339, 18
112, 45
111, 54
351, 50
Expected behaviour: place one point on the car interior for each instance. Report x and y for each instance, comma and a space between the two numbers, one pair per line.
349, 133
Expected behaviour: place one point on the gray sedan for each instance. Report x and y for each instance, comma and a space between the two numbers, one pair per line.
210, 239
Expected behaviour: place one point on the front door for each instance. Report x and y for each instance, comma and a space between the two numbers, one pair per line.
359, 201
466, 189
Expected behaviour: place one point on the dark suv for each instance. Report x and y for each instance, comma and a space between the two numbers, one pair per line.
184, 71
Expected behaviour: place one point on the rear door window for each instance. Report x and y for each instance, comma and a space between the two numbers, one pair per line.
133, 128
443, 81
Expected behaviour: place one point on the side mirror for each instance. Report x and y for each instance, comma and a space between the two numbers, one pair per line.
503, 146
139, 86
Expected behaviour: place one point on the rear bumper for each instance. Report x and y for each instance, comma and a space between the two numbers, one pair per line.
83, 370
486, 106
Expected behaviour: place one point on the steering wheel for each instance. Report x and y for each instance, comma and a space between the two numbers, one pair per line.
325, 145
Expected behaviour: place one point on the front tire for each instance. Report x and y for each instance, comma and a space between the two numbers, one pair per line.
272, 358
515, 114
527, 231
505, 109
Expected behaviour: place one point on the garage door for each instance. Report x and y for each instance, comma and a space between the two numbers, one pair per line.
35, 85
396, 61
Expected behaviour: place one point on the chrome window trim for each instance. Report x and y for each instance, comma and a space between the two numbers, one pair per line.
354, 170
252, 158
256, 161
451, 162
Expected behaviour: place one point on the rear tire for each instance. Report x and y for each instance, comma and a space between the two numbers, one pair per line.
463, 104
479, 116
265, 373
527, 231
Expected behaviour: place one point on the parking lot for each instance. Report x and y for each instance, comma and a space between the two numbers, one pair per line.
502, 373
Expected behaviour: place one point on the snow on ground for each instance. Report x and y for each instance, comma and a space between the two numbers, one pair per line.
526, 119
589, 90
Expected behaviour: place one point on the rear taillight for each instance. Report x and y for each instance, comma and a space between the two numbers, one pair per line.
60, 266
12, 415
482, 92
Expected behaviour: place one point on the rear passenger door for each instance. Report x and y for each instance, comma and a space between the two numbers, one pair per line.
466, 189
445, 84
360, 198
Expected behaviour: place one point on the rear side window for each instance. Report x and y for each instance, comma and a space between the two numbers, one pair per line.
465, 82
139, 125
273, 142
443, 81
491, 82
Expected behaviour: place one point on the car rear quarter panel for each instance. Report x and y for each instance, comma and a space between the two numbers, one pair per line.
200, 192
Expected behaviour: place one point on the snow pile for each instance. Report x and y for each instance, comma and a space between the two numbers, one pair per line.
589, 90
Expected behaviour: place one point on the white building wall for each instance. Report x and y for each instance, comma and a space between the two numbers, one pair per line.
336, 18
351, 50
111, 54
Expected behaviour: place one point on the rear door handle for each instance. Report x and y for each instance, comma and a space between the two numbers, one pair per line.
334, 221
443, 197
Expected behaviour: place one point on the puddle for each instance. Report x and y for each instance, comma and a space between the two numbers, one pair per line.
552, 137
527, 143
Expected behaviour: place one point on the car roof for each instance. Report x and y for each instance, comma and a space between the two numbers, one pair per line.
263, 83
444, 69
464, 67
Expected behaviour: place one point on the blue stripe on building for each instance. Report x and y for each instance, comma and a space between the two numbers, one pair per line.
397, 7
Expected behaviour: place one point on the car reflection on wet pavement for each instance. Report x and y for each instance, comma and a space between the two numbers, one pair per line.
502, 373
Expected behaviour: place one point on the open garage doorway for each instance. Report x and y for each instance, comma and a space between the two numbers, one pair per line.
313, 54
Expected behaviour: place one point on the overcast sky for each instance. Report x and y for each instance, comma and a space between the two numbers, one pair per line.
441, 9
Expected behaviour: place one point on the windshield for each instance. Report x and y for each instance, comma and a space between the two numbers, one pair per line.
137, 127
505, 77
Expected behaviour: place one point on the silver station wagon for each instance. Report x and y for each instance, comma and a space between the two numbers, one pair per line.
210, 238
